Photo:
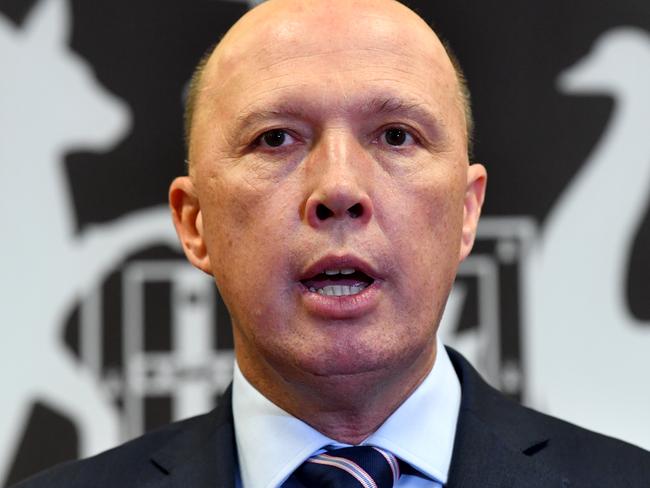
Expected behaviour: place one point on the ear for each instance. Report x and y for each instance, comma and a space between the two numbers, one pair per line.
188, 220
49, 22
473, 202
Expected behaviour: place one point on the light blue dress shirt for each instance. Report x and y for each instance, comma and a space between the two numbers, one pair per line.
271, 443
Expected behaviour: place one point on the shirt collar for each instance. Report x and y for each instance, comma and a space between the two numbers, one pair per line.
271, 443
422, 430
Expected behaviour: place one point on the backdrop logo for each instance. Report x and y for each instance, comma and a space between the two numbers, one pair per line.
192, 367
45, 265
583, 347
486, 311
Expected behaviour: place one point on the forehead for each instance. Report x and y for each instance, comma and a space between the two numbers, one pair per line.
343, 56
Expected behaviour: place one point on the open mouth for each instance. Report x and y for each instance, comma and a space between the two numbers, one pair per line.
338, 282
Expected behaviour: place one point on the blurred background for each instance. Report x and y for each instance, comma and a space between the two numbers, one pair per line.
107, 332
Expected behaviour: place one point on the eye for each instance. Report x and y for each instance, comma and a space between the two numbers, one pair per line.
396, 136
275, 138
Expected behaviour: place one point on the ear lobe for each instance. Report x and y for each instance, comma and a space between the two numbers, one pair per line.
188, 220
473, 202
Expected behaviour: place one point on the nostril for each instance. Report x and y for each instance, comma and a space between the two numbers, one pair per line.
322, 212
355, 211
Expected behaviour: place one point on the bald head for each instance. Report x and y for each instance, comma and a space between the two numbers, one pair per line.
330, 133
277, 26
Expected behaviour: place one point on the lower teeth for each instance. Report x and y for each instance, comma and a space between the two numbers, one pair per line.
338, 290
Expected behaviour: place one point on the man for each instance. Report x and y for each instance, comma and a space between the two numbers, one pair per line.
330, 195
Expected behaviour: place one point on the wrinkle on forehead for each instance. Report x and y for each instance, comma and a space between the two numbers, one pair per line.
288, 17
279, 33
275, 27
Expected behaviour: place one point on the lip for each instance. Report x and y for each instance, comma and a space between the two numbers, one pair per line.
347, 306
338, 262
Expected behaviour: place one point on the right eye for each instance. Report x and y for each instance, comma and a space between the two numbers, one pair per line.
275, 138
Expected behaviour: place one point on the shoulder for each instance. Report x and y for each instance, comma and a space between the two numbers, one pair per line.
550, 444
580, 454
122, 466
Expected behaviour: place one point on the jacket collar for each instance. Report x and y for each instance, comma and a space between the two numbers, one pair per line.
202, 455
497, 443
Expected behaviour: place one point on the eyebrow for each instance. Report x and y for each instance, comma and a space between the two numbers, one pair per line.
373, 106
282, 110
410, 109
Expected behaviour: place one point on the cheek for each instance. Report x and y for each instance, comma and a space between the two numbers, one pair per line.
429, 208
228, 213
246, 221
234, 205
427, 229
243, 191
240, 244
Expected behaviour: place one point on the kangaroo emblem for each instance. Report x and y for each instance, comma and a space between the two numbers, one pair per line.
50, 102
585, 353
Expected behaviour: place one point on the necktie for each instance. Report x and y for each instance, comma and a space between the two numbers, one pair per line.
349, 467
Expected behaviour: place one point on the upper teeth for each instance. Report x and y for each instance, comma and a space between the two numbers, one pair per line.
344, 271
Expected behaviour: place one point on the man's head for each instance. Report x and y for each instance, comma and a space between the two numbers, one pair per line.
330, 136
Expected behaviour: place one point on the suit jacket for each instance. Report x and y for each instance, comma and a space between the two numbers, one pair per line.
498, 444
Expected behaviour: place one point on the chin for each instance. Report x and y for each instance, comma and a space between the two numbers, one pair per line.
345, 360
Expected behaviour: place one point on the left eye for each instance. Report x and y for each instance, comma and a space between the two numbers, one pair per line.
396, 136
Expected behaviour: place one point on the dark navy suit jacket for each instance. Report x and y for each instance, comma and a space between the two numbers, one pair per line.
498, 444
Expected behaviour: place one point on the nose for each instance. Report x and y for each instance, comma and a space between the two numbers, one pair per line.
340, 189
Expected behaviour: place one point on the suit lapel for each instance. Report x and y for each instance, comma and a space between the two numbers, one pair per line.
496, 445
201, 456
482, 459
496, 440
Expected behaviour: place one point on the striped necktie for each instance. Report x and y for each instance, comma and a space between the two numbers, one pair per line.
349, 467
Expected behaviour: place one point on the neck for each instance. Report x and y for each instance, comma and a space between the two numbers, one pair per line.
347, 408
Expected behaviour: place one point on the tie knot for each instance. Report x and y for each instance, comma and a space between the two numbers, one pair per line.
350, 467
